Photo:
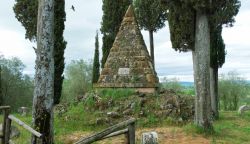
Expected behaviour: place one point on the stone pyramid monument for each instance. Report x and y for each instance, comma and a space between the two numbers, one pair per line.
128, 64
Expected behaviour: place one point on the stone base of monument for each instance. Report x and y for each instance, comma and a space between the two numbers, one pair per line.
146, 90
150, 138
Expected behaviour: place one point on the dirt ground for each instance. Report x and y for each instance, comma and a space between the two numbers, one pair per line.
169, 135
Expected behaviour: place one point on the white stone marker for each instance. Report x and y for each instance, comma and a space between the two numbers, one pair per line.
150, 138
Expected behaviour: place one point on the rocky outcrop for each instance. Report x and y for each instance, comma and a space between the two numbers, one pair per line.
168, 104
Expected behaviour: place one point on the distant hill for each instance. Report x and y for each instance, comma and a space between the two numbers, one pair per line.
187, 84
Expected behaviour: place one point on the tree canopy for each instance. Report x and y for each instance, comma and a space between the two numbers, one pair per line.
181, 17
16, 87
150, 14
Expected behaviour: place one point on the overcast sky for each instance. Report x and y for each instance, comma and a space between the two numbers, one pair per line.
80, 31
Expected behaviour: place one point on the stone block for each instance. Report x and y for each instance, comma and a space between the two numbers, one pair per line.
150, 138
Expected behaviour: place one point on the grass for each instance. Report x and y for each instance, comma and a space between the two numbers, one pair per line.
80, 119
231, 128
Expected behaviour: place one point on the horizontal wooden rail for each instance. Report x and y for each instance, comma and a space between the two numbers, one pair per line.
115, 133
4, 107
31, 130
106, 132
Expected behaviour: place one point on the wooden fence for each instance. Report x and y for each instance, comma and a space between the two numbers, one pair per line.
7, 119
107, 133
113, 131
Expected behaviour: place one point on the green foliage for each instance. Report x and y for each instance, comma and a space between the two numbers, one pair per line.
113, 12
230, 128
26, 13
217, 48
1, 93
172, 84
232, 88
96, 64
181, 17
16, 88
59, 47
78, 76
222, 12
192, 128
175, 85
150, 14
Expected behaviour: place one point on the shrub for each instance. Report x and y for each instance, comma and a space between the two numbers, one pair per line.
232, 89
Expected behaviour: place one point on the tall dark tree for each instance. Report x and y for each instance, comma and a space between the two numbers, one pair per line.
1, 95
113, 12
96, 63
190, 29
151, 16
26, 13
217, 59
222, 13
59, 47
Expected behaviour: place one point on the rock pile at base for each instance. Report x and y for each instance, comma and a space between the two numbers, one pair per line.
167, 104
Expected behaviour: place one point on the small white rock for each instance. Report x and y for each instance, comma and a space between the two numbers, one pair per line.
243, 108
150, 138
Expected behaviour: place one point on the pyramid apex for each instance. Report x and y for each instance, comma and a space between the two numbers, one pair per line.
130, 11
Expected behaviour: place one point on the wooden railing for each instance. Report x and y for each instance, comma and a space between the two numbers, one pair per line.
7, 119
107, 133
113, 131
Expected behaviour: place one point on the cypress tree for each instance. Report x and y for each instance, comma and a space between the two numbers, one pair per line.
1, 95
190, 29
113, 12
59, 47
25, 12
217, 59
222, 13
150, 16
96, 64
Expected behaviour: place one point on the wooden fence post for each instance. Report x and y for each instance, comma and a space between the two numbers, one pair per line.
6, 131
131, 133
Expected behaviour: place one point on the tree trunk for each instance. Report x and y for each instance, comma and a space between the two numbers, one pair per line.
214, 92
151, 41
44, 77
201, 56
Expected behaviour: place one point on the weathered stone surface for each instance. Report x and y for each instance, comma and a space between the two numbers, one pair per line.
113, 114
23, 111
150, 138
128, 64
